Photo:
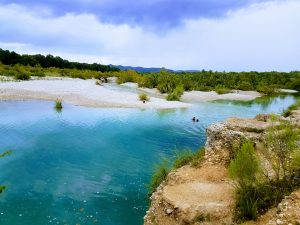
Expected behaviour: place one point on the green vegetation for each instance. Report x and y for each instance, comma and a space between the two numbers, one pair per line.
289, 110
181, 158
58, 105
220, 89
22, 76
144, 97
175, 94
12, 58
6, 153
256, 190
171, 83
245, 165
161, 172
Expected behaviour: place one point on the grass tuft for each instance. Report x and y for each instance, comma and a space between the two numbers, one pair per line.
161, 172
58, 105
289, 110
144, 97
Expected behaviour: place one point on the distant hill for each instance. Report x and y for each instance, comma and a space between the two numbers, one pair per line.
148, 70
139, 69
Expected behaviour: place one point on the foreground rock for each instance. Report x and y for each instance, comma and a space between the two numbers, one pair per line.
205, 195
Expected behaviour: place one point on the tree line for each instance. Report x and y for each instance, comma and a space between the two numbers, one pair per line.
13, 58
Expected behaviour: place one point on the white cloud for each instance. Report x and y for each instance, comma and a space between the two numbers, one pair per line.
262, 37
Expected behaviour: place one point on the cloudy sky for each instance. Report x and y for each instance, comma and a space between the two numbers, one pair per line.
231, 35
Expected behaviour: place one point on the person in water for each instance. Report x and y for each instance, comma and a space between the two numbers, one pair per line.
195, 120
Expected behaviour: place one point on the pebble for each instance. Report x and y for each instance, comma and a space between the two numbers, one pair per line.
169, 211
279, 222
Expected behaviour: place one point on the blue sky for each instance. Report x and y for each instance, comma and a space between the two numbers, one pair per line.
220, 35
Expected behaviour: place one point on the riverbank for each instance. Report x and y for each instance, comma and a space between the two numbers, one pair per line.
80, 92
87, 93
205, 194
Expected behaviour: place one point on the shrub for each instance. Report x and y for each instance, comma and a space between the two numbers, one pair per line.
245, 86
175, 94
256, 191
282, 143
22, 76
245, 165
220, 89
144, 97
58, 105
161, 172
266, 89
39, 74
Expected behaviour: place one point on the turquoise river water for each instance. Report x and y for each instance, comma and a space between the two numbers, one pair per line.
91, 165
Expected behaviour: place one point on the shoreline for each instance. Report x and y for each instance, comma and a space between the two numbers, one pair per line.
110, 95
82, 93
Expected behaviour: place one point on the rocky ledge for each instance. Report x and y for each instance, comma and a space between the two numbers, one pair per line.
205, 195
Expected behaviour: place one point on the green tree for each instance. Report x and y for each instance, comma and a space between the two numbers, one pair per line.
282, 148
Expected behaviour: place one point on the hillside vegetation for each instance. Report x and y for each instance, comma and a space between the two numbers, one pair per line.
171, 83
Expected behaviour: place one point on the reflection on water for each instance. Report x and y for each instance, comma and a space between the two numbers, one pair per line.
266, 102
90, 166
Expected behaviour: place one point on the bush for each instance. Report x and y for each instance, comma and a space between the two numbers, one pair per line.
266, 89
39, 74
220, 89
22, 76
282, 143
176, 94
245, 86
173, 97
245, 165
144, 97
256, 191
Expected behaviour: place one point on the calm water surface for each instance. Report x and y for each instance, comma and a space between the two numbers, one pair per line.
90, 166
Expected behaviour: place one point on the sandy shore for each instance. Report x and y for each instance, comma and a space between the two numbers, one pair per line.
81, 92
86, 93
202, 96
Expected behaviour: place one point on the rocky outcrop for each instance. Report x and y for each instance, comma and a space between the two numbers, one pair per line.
223, 137
205, 195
